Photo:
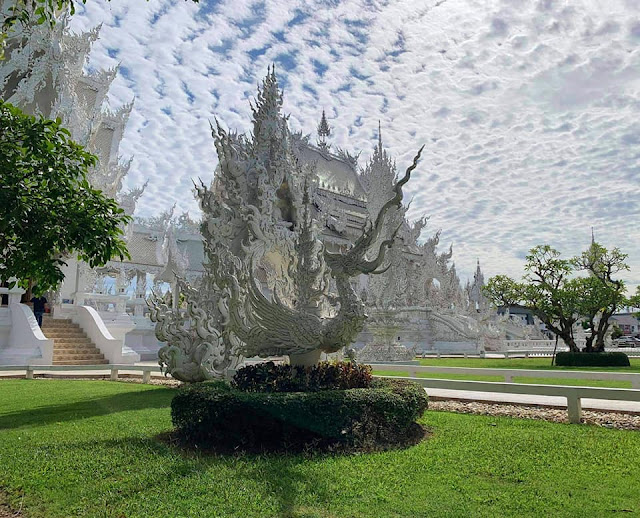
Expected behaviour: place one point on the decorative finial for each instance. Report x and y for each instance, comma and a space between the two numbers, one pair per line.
593, 239
379, 136
323, 131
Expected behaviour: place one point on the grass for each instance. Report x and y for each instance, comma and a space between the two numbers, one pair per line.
89, 448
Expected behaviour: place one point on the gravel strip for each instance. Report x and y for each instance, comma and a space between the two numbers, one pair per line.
617, 420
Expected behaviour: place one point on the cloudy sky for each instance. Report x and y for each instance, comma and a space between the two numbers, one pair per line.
529, 109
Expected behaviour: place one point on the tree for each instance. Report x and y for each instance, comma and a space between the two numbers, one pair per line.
39, 11
603, 294
551, 290
634, 301
49, 209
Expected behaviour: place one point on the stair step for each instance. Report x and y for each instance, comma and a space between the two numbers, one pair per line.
70, 325
55, 336
95, 356
72, 340
71, 346
88, 349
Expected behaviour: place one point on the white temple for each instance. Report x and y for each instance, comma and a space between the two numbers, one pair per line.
418, 303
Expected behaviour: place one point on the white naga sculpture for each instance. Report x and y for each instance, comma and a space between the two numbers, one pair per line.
259, 235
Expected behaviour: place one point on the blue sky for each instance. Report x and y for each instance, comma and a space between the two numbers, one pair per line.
529, 109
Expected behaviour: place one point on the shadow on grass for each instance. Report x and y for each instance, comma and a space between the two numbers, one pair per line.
285, 472
160, 398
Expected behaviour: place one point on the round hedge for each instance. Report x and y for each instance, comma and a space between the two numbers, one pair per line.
217, 416
603, 359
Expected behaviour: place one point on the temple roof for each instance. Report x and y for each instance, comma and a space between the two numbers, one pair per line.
143, 249
333, 172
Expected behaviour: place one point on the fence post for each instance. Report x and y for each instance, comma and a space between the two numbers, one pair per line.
29, 374
574, 408
114, 374
146, 376
506, 354
635, 382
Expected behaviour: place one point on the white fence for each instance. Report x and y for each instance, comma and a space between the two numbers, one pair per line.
509, 374
146, 370
574, 395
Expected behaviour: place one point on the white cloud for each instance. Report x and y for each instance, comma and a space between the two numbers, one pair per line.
529, 109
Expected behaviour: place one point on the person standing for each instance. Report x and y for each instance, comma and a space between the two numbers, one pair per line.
38, 308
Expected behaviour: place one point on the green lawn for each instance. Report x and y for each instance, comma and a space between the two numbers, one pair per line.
88, 448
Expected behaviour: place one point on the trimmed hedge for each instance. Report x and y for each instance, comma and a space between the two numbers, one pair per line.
217, 416
269, 377
569, 359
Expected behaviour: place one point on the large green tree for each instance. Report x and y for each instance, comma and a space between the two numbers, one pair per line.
552, 291
49, 209
603, 295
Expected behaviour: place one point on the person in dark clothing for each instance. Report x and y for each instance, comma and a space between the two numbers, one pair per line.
38, 308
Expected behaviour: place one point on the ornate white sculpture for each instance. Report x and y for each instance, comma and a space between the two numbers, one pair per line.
272, 327
259, 235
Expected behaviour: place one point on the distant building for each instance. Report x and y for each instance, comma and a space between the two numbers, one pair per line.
627, 322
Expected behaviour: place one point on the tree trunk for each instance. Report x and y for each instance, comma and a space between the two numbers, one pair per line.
564, 332
567, 338
589, 345
601, 332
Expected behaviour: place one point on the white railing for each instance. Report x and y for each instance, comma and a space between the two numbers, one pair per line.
509, 374
113, 369
573, 395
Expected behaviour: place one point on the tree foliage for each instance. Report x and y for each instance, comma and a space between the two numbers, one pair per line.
39, 11
49, 209
551, 289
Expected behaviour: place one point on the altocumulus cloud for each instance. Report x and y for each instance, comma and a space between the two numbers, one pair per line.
528, 109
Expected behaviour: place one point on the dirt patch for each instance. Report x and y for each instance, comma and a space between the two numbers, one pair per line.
5, 510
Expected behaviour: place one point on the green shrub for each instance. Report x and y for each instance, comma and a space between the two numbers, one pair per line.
569, 359
269, 377
218, 416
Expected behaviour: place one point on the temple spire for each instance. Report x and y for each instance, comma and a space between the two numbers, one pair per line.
379, 136
593, 238
323, 131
